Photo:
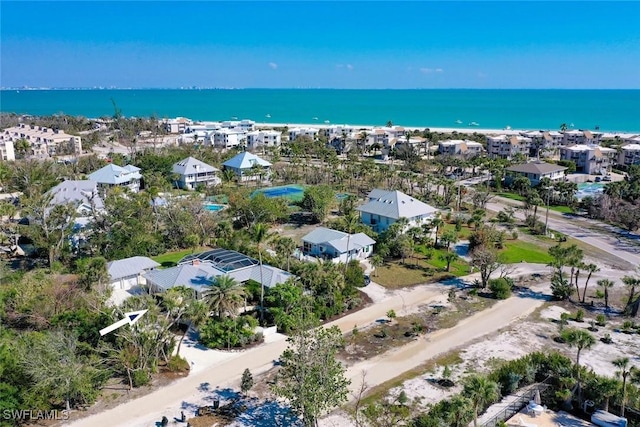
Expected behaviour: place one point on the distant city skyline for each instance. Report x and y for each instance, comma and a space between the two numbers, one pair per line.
341, 45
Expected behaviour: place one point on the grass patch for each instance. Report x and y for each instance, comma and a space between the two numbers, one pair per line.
417, 270
170, 259
464, 308
558, 208
463, 234
512, 196
517, 251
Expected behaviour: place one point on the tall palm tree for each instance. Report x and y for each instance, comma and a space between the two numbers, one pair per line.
285, 246
225, 297
606, 388
196, 314
351, 222
624, 370
260, 235
460, 412
606, 284
591, 268
581, 340
631, 283
481, 391
436, 223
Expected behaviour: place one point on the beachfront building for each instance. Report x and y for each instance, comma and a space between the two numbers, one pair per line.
384, 208
629, 154
508, 146
43, 142
228, 138
543, 143
334, 245
457, 147
129, 272
395, 132
117, 176
263, 138
198, 272
193, 172
535, 171
576, 137
309, 132
248, 167
7, 152
589, 159
337, 131
177, 125
239, 125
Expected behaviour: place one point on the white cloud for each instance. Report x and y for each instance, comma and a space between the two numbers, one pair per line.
273, 65
439, 70
349, 67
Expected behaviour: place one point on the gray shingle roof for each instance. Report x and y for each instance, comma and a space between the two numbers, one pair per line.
536, 168
130, 267
395, 204
114, 174
190, 166
77, 192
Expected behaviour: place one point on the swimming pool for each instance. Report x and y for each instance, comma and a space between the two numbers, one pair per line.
213, 207
589, 189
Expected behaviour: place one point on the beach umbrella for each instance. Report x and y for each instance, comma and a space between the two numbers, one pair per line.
536, 397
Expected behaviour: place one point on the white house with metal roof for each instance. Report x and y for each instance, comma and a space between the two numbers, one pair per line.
535, 171
336, 245
129, 272
248, 167
384, 208
83, 194
118, 176
192, 172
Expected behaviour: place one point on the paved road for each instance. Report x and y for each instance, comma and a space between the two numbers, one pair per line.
613, 240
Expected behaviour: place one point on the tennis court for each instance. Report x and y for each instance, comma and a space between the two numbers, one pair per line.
291, 192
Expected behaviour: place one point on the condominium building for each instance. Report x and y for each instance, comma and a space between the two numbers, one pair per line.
459, 147
296, 132
629, 154
43, 141
177, 125
6, 149
263, 138
543, 143
587, 137
228, 138
508, 146
589, 159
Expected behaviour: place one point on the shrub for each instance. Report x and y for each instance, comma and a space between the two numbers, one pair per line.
140, 378
229, 333
560, 288
601, 320
177, 364
391, 314
628, 326
501, 287
246, 382
606, 339
579, 316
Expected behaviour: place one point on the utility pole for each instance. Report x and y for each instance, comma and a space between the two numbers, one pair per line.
546, 219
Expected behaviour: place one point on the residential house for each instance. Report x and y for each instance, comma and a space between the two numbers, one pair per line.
248, 167
456, 147
535, 171
336, 245
7, 152
263, 138
129, 272
384, 208
117, 176
193, 172
508, 146
177, 125
198, 271
590, 159
81, 193
43, 142
228, 138
629, 154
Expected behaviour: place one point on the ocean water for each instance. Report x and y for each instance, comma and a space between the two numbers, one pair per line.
611, 110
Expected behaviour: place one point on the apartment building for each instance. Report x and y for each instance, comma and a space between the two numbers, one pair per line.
177, 125
589, 159
508, 146
543, 143
43, 141
629, 154
6, 149
263, 138
228, 138
296, 132
457, 147
577, 137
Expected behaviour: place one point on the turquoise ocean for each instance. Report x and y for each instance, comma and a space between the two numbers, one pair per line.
611, 110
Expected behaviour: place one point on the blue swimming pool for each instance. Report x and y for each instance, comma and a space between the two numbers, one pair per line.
589, 189
213, 207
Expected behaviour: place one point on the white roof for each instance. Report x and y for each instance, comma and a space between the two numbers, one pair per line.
130, 267
395, 204
77, 192
190, 165
338, 239
245, 160
114, 174
631, 147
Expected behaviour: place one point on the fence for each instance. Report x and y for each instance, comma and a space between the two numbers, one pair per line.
517, 404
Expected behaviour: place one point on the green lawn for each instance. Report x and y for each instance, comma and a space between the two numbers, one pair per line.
558, 208
170, 259
512, 196
517, 251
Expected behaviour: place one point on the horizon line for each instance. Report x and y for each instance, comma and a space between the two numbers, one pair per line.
102, 88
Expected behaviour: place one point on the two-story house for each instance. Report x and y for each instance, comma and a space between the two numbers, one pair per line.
535, 171
384, 208
193, 172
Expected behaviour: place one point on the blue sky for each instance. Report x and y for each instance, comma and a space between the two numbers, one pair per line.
321, 44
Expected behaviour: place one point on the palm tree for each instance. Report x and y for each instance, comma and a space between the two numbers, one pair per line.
591, 268
606, 388
376, 261
624, 370
460, 411
481, 391
285, 246
225, 296
631, 283
436, 223
260, 234
351, 222
606, 284
196, 314
582, 340
449, 257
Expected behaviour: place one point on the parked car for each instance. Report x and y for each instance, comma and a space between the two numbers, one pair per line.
606, 178
367, 279
598, 179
